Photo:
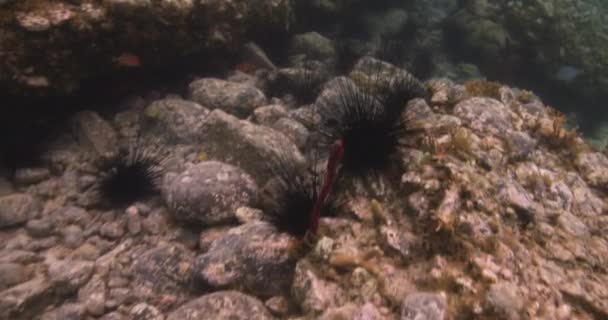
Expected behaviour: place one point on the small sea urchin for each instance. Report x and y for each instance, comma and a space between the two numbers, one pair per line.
132, 176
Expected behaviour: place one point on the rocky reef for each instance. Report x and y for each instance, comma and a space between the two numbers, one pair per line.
51, 47
481, 204
493, 210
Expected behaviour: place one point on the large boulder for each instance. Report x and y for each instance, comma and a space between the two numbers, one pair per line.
209, 193
245, 145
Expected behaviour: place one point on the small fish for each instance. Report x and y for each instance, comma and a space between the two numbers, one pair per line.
567, 73
127, 60
245, 67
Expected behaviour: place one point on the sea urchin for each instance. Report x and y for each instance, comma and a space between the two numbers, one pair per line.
133, 176
293, 199
369, 125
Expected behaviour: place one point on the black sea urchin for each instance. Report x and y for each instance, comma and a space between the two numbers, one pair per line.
133, 176
293, 199
369, 123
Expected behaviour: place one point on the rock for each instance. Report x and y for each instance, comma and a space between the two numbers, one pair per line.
27, 176
208, 236
20, 241
590, 298
40, 228
421, 305
72, 236
342, 312
573, 225
520, 145
235, 98
72, 215
213, 306
93, 296
245, 145
503, 300
118, 282
113, 230
403, 242
246, 215
253, 256
155, 223
87, 252
93, 131
594, 168
484, 115
514, 195
296, 131
144, 311
268, 115
17, 208
23, 300
69, 275
166, 270
118, 297
43, 243
368, 312
68, 311
312, 293
209, 193
278, 305
181, 119
313, 45
18, 256
134, 223
114, 316
12, 274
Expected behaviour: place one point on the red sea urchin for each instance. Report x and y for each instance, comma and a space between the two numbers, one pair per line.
132, 176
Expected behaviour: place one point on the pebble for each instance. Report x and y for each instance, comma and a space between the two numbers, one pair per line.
93, 296
27, 176
134, 223
72, 236
112, 230
278, 305
12, 274
87, 252
17, 208
40, 228
144, 311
